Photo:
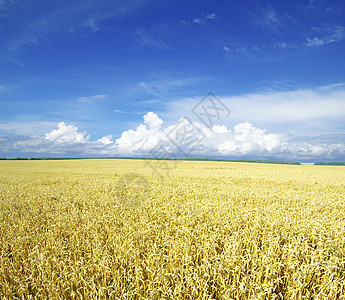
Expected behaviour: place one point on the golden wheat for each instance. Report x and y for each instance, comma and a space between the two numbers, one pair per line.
208, 230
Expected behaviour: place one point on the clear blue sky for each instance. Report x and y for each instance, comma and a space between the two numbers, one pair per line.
77, 77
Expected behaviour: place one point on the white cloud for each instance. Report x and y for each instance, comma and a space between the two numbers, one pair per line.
315, 4
66, 134
310, 151
106, 140
153, 121
306, 111
219, 129
211, 16
326, 34
92, 98
92, 25
202, 21
144, 138
294, 106
164, 86
268, 18
183, 22
152, 40
16, 44
26, 126
243, 139
259, 52
198, 21
119, 111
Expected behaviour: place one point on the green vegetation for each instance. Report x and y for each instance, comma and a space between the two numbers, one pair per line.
330, 164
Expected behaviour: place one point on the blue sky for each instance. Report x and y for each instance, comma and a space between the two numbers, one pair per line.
114, 78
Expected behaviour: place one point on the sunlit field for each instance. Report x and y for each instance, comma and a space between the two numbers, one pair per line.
89, 229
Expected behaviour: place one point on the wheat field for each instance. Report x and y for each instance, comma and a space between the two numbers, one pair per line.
110, 229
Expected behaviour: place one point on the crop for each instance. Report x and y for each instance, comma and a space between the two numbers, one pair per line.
85, 229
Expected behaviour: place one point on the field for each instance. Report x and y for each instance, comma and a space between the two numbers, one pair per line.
103, 229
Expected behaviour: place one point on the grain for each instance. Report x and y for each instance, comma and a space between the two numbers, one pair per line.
208, 230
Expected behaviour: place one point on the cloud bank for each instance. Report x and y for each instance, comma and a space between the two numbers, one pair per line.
185, 138
310, 112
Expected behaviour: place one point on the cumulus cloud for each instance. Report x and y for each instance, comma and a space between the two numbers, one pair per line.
153, 121
184, 138
244, 140
144, 138
247, 139
106, 140
220, 129
66, 134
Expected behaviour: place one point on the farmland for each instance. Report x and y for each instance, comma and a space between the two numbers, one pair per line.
205, 230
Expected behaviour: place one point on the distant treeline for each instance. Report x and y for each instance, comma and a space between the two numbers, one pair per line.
330, 164
66, 158
42, 158
188, 159
17, 158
